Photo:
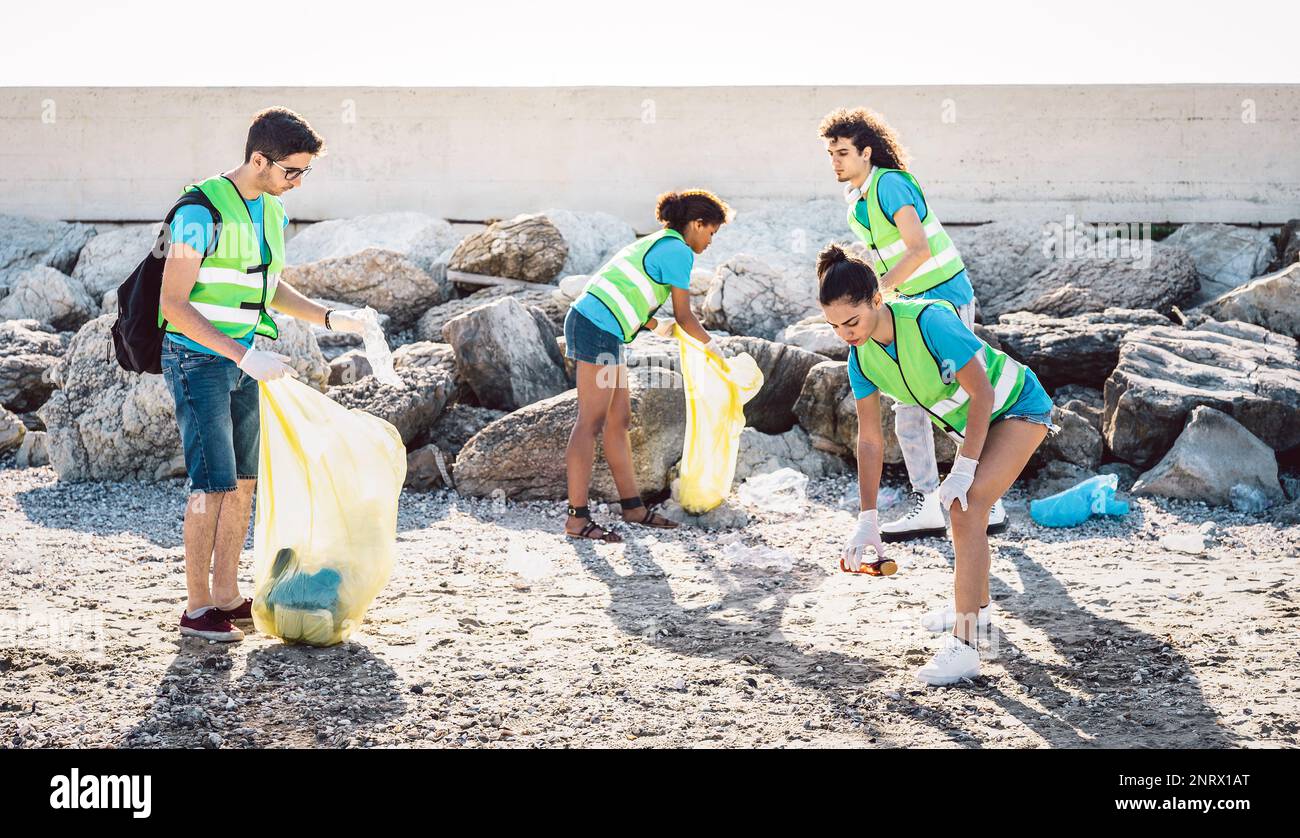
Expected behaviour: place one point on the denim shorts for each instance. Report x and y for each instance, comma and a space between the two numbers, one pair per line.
585, 341
216, 409
1044, 419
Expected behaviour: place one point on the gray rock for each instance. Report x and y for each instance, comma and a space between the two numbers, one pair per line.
1077, 441
429, 327
815, 337
1288, 246
725, 516
393, 262
1271, 301
784, 368
433, 466
25, 242
1224, 256
349, 368
527, 247
522, 453
12, 431
32, 453
506, 354
110, 257
27, 350
104, 423
1085, 401
762, 453
787, 235
750, 297
1213, 454
828, 412
45, 294
425, 353
412, 410
1082, 349
1022, 266
592, 237
1164, 372
427, 468
459, 424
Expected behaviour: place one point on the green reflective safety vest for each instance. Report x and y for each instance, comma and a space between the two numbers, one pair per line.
887, 245
234, 285
916, 377
625, 288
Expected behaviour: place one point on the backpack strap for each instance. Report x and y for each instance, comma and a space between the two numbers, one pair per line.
194, 197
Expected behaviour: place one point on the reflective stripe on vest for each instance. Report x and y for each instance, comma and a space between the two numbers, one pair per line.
233, 285
887, 245
915, 377
626, 289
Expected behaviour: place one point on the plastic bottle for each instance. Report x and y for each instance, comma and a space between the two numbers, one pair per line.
1094, 496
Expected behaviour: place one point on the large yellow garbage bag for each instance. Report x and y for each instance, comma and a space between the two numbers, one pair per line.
328, 483
716, 392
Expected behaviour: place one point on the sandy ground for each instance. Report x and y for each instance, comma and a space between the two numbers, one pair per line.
1101, 637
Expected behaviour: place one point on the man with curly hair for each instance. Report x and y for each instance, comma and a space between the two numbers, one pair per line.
915, 259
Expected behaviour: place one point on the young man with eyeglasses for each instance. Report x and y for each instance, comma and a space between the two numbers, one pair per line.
218, 281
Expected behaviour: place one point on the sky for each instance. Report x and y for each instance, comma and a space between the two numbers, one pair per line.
696, 42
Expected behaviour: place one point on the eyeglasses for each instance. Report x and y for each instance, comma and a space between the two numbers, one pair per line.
290, 173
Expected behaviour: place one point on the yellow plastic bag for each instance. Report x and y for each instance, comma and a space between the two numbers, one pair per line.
716, 392
328, 483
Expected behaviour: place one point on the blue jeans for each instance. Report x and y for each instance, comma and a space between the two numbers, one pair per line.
217, 411
585, 341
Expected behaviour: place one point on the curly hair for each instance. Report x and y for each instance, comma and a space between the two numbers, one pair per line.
866, 128
677, 209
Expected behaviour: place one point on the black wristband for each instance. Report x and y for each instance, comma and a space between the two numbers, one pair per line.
328, 312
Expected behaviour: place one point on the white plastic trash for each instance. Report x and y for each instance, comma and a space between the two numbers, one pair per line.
376, 349
783, 490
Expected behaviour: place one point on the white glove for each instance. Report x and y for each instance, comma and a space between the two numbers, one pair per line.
711, 346
265, 366
347, 321
866, 534
664, 328
957, 483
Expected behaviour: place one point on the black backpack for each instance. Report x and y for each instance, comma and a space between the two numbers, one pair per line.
137, 337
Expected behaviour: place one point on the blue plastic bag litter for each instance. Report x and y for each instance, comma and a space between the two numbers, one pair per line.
1094, 496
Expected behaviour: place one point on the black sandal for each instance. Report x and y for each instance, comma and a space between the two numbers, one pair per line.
607, 536
650, 516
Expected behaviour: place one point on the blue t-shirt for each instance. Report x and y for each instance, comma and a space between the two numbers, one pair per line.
670, 261
193, 225
896, 192
955, 345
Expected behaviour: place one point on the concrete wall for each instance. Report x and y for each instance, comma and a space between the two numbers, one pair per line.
1131, 153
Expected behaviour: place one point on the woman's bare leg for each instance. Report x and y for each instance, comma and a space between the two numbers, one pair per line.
595, 394
1008, 448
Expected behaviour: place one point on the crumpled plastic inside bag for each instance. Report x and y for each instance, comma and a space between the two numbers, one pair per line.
325, 535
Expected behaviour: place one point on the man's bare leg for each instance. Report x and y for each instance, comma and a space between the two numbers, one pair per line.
232, 528
202, 511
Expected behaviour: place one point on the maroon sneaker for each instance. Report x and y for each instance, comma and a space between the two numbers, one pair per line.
210, 625
242, 613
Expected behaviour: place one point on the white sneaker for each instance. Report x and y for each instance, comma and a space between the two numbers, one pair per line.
954, 661
923, 519
997, 518
943, 619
